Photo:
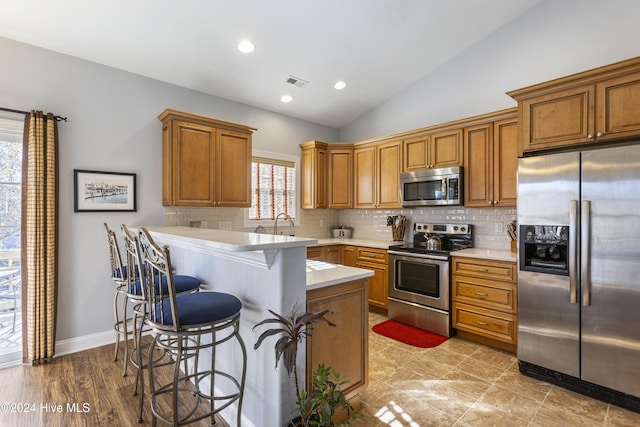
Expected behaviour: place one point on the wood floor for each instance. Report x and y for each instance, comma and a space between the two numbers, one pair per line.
80, 389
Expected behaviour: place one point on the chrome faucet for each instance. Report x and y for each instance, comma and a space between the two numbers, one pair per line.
286, 216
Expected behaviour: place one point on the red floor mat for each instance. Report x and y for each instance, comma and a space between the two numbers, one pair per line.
408, 334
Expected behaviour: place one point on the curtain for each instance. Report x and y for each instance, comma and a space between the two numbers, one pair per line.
39, 237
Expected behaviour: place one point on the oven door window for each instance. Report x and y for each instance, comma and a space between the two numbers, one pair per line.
418, 278
423, 190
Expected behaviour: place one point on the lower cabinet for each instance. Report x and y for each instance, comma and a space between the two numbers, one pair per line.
484, 296
373, 259
345, 346
376, 260
331, 253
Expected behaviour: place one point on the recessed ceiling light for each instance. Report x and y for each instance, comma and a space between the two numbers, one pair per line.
340, 85
286, 98
246, 46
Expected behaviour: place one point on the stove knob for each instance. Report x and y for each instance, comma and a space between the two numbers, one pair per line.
418, 227
463, 229
455, 228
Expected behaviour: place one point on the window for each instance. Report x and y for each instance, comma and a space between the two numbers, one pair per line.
10, 205
273, 188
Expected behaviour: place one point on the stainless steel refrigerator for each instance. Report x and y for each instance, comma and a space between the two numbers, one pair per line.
579, 271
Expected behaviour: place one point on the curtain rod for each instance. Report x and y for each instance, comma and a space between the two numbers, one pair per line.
11, 110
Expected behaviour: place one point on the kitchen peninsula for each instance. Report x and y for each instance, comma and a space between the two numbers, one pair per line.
270, 272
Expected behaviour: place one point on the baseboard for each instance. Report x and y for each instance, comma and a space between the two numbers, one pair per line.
86, 342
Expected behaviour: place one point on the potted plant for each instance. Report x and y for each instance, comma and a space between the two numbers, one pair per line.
318, 407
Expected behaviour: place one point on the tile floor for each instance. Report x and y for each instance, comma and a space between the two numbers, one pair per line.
461, 383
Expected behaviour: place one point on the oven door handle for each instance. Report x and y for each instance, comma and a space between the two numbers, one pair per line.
417, 255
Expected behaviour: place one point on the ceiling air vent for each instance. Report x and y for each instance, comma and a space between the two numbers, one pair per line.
297, 81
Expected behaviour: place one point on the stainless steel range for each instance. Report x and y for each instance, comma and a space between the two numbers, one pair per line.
419, 275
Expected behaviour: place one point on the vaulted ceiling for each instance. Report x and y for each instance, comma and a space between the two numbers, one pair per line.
378, 47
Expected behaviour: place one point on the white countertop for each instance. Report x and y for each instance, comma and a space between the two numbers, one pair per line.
234, 241
321, 274
491, 254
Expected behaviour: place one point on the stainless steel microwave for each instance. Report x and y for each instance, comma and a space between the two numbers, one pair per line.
432, 187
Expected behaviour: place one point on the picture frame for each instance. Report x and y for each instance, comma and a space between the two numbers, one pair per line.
100, 191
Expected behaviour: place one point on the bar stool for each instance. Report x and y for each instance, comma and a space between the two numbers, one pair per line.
181, 325
119, 275
138, 294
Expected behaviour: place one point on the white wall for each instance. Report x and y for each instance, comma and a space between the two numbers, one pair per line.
113, 126
553, 39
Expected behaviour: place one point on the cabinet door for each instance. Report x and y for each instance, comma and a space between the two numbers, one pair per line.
364, 170
415, 152
194, 164
315, 253
445, 149
233, 168
505, 162
333, 254
378, 288
478, 165
558, 119
618, 107
314, 172
388, 171
340, 179
349, 256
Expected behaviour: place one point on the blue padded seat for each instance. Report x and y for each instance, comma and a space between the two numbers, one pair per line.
199, 308
124, 273
181, 283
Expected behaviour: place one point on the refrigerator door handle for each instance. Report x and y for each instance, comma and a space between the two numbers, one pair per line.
573, 252
585, 278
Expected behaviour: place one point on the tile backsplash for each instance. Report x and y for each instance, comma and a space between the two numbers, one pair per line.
489, 224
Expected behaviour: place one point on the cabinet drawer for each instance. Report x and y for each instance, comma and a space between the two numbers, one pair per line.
491, 324
485, 269
372, 255
484, 293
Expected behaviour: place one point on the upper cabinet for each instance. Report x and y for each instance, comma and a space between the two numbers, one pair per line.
377, 175
205, 162
490, 162
435, 150
340, 176
327, 175
314, 175
599, 105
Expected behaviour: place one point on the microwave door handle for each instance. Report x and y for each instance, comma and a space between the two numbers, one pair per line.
444, 189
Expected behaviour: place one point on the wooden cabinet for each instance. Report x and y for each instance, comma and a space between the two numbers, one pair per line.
349, 255
330, 253
377, 176
344, 347
490, 164
376, 260
594, 106
484, 296
437, 150
327, 175
340, 176
314, 175
205, 162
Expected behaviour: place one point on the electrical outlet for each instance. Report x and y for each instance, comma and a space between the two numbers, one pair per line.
499, 227
225, 225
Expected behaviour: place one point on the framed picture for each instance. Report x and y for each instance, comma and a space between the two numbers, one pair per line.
96, 191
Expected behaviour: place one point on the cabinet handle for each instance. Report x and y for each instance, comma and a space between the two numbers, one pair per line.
495, 202
482, 323
599, 134
483, 270
590, 136
482, 294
